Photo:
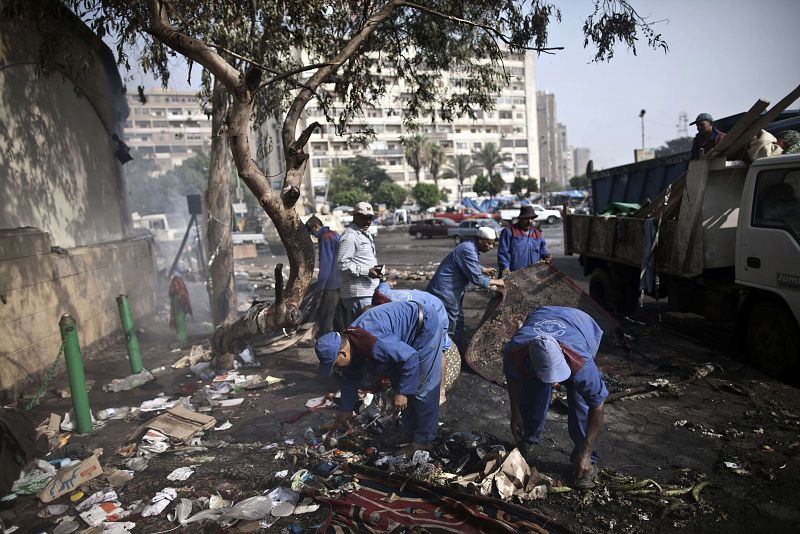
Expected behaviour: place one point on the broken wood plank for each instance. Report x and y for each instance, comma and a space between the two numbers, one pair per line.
689, 215
741, 127
761, 123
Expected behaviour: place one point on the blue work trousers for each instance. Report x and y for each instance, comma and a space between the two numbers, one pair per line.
352, 307
455, 327
421, 418
535, 401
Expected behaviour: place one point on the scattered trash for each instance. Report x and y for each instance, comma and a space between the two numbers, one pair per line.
113, 413
251, 509
96, 498
247, 358
129, 382
196, 355
33, 481
183, 510
306, 507
181, 473
154, 442
224, 426
53, 510
71, 478
229, 403
180, 423
66, 525
159, 502
118, 477
137, 464
104, 512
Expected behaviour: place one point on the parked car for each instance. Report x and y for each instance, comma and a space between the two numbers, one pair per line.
431, 228
550, 216
469, 228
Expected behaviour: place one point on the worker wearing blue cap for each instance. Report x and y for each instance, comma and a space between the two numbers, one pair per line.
557, 344
403, 339
385, 293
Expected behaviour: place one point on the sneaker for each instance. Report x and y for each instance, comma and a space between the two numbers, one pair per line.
588, 480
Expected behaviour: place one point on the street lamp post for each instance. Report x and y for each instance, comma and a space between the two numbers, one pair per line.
641, 116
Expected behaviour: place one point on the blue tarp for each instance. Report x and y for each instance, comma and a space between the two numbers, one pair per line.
573, 193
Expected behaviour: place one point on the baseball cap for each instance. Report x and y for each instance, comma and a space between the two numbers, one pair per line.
547, 360
364, 208
327, 349
484, 232
702, 117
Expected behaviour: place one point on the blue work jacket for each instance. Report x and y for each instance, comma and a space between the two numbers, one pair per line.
458, 268
424, 298
579, 337
328, 276
519, 248
412, 361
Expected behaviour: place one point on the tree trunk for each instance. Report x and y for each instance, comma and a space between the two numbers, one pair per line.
219, 240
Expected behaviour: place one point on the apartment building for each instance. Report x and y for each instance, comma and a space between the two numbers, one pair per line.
169, 128
581, 156
511, 126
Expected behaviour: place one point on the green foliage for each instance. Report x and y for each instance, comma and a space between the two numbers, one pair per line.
518, 186
426, 195
390, 194
675, 146
496, 185
368, 173
489, 157
437, 160
340, 179
349, 197
417, 149
481, 185
532, 185
579, 182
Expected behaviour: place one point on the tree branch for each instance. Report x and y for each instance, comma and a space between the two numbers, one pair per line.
193, 49
499, 34
289, 73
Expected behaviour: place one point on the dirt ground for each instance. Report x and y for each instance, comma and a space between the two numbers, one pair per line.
734, 428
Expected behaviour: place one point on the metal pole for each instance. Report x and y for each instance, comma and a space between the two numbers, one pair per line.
180, 249
129, 329
77, 380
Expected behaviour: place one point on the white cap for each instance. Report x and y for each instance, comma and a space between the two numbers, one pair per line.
484, 232
364, 208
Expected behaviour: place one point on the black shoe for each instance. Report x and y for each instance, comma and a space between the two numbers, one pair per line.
588, 480
527, 451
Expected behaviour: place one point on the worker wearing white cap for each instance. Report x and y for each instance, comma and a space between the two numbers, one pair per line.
459, 268
357, 263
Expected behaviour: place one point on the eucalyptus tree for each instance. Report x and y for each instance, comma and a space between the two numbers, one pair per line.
285, 53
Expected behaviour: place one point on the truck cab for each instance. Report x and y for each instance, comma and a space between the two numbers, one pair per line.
768, 262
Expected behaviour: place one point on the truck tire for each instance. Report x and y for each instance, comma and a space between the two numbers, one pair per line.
458, 239
600, 288
552, 219
773, 342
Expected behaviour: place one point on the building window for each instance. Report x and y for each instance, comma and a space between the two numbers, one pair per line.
143, 124
161, 149
522, 143
461, 146
505, 115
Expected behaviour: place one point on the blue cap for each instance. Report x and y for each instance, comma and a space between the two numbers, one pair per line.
327, 348
703, 117
547, 360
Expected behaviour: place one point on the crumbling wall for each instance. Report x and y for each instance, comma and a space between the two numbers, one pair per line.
37, 286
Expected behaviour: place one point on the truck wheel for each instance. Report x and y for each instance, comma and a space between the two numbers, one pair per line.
458, 239
773, 342
600, 288
552, 219
419, 235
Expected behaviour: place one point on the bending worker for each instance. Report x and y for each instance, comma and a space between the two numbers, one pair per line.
402, 339
521, 244
557, 344
385, 293
459, 268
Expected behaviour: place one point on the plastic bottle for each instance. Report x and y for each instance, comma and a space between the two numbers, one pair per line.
113, 413
310, 437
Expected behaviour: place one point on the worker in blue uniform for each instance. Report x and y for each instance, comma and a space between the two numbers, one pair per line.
385, 293
557, 344
330, 313
402, 339
521, 244
458, 269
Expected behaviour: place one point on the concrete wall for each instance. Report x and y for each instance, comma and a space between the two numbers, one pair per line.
57, 167
38, 286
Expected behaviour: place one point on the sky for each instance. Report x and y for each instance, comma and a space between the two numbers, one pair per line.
723, 56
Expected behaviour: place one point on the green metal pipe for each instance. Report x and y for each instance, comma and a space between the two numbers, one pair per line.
129, 329
77, 380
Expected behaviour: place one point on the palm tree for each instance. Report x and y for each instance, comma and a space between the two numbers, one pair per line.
417, 151
461, 167
489, 158
437, 159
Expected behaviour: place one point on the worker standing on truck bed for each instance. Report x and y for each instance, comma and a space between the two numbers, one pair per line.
457, 269
403, 339
557, 344
521, 244
708, 136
